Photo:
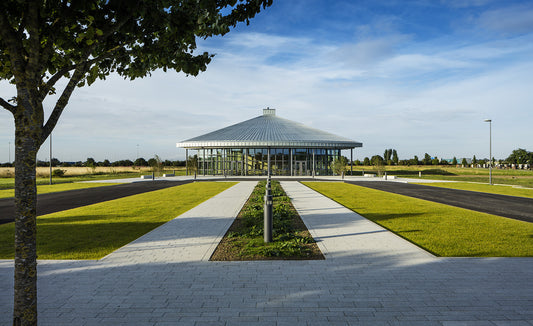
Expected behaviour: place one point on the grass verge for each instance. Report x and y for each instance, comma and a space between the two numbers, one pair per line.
44, 189
93, 231
244, 239
494, 189
441, 229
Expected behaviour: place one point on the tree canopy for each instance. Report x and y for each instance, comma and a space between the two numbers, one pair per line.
520, 156
42, 42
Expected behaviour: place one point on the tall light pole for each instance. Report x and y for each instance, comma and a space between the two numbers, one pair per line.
50, 158
490, 150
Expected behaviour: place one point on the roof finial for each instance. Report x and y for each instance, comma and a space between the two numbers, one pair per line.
269, 111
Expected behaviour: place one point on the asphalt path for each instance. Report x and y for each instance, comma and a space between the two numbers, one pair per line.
59, 201
519, 208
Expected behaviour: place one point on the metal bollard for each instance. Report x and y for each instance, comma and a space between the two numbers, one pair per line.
267, 232
153, 175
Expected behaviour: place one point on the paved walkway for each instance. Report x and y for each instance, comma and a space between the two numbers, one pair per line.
369, 277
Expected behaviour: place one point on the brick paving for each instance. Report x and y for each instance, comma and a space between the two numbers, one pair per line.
369, 277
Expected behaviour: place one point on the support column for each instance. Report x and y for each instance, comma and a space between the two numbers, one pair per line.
245, 161
268, 160
351, 161
291, 167
314, 165
203, 161
197, 162
186, 161
212, 162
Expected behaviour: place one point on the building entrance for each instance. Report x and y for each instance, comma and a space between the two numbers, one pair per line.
300, 168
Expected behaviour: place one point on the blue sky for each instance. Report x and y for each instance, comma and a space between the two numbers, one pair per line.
416, 76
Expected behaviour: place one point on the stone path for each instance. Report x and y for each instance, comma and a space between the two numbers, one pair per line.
369, 277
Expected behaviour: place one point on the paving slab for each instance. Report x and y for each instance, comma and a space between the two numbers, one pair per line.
375, 279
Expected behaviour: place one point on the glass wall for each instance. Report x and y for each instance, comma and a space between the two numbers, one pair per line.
254, 161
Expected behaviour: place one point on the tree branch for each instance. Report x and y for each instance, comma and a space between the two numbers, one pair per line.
62, 102
7, 106
34, 44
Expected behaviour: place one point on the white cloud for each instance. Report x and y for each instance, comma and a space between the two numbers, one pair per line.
516, 19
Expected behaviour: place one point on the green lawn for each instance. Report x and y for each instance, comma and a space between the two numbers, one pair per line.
93, 231
494, 189
441, 229
44, 189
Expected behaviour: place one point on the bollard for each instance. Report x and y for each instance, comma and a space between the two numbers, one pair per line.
267, 232
385, 175
153, 175
420, 174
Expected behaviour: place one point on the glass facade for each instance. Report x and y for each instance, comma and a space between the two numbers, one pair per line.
254, 161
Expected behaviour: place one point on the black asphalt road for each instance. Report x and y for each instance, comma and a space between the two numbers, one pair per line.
59, 201
518, 208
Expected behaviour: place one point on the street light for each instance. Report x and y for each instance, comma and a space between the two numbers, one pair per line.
50, 158
490, 150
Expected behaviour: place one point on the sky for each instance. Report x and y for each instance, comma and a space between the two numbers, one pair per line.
418, 76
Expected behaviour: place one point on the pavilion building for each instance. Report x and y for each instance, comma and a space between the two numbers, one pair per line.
253, 146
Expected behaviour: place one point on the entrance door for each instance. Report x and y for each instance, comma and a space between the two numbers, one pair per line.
300, 168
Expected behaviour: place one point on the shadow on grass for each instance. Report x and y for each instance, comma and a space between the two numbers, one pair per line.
60, 240
377, 217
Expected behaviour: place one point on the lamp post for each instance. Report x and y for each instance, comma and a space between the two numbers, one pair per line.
50, 158
490, 150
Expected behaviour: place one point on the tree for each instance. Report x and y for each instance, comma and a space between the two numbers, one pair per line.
520, 156
454, 161
464, 162
366, 161
339, 166
474, 160
156, 164
192, 164
395, 157
427, 159
43, 42
140, 162
387, 156
377, 162
415, 160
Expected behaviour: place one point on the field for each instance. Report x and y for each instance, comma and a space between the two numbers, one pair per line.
74, 174
499, 176
441, 229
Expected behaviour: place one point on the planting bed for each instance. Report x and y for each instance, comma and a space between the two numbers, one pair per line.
244, 239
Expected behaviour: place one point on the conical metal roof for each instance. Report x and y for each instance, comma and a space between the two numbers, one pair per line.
269, 130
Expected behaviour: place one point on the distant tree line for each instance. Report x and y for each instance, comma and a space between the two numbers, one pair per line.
92, 163
390, 157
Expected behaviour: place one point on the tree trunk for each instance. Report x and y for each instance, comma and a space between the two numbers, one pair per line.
27, 141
